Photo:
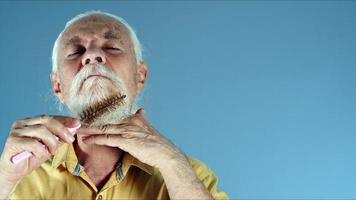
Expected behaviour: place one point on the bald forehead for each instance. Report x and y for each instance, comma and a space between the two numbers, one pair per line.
105, 26
98, 22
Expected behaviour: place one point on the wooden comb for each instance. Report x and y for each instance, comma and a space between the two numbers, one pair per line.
93, 112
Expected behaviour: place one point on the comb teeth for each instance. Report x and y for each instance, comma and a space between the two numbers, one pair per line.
90, 114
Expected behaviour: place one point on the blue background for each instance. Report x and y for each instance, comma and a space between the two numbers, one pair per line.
263, 92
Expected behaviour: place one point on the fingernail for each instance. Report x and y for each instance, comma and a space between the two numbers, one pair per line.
73, 129
76, 122
69, 137
45, 148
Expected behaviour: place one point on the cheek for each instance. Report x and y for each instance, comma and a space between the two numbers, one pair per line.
66, 79
65, 86
70, 67
124, 68
131, 79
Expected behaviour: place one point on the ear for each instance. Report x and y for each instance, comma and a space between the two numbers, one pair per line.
56, 86
141, 76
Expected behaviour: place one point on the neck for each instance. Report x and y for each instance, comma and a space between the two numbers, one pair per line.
92, 159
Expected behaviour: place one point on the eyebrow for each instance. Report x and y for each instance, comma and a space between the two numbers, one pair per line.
111, 35
74, 40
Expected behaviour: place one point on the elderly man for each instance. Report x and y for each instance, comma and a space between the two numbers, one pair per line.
107, 149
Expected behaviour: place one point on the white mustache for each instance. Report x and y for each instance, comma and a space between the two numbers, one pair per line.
96, 74
91, 75
85, 92
88, 71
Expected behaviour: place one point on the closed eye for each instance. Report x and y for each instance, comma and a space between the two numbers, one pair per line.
113, 50
76, 52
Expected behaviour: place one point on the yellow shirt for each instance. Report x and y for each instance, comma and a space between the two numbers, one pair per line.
62, 177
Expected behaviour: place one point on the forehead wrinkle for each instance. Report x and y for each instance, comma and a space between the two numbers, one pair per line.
92, 27
87, 29
113, 31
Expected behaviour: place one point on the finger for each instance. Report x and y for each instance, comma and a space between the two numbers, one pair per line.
56, 124
105, 139
134, 134
59, 130
110, 140
109, 129
119, 128
39, 132
30, 145
140, 111
135, 120
141, 115
41, 119
138, 114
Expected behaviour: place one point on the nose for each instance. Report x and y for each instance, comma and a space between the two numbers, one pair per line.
93, 57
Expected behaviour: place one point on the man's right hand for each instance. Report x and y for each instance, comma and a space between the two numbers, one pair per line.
41, 135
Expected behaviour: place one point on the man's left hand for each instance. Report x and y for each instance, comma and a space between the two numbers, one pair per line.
136, 136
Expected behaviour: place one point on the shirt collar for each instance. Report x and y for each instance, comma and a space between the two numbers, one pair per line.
128, 160
66, 155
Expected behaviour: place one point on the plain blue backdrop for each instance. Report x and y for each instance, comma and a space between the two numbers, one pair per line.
261, 91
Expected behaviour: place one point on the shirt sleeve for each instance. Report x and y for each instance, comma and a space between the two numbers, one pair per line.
208, 178
25, 189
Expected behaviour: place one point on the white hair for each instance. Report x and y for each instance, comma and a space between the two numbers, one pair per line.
85, 93
135, 42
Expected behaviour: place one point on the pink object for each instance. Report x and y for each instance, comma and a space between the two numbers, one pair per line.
26, 154
20, 157
72, 130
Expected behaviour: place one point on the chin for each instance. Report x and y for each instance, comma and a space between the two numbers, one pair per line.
91, 95
114, 116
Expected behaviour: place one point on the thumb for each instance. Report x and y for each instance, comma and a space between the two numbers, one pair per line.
72, 124
73, 129
140, 111
68, 122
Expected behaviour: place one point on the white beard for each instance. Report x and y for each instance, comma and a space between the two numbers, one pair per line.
96, 89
